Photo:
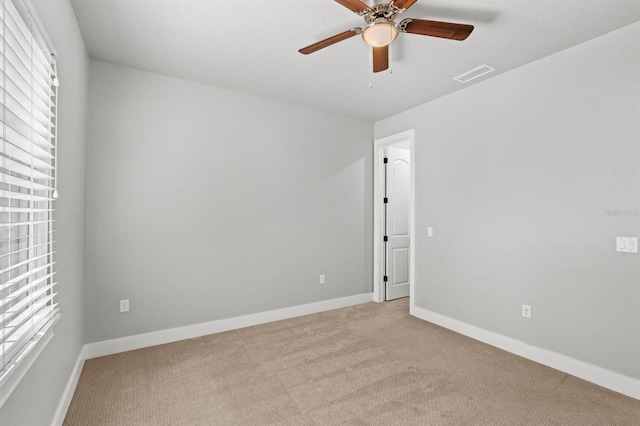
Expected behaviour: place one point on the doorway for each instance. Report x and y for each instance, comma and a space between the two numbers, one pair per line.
394, 218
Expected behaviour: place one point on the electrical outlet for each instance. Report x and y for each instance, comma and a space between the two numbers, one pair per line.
124, 305
321, 279
429, 231
526, 311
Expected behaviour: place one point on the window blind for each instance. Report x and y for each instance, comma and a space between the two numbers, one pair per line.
27, 186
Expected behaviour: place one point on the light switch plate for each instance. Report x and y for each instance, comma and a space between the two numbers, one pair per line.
627, 244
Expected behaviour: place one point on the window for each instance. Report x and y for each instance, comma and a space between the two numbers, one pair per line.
28, 91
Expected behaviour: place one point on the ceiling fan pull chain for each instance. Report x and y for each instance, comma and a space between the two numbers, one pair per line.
369, 67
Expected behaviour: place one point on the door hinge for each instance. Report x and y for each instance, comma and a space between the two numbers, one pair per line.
385, 279
386, 200
386, 160
386, 238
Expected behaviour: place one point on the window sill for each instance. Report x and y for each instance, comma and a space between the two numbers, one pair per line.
9, 383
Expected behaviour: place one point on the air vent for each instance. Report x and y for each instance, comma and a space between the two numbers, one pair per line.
474, 73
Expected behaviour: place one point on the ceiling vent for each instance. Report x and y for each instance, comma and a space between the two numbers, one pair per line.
474, 73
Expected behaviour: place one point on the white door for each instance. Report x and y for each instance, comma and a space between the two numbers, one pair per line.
397, 222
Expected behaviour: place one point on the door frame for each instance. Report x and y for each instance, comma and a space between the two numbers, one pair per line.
378, 214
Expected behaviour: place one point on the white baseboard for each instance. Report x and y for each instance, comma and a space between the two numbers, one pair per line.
109, 347
601, 376
65, 401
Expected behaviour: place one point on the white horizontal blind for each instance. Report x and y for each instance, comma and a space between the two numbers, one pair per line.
27, 185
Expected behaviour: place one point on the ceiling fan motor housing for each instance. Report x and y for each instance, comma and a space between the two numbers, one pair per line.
387, 11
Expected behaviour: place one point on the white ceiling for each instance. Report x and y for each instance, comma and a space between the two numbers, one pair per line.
251, 46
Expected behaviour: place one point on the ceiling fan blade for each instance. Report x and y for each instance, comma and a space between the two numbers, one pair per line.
329, 41
354, 5
436, 28
404, 4
380, 58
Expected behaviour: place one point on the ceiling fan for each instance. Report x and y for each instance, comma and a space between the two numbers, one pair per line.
381, 29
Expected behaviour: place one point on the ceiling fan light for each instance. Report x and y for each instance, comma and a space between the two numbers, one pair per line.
380, 33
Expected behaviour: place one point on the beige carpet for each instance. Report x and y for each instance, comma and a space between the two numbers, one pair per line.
371, 364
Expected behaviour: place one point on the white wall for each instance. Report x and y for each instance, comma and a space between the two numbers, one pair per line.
515, 174
206, 204
35, 399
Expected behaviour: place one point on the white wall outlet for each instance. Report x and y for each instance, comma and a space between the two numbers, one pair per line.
322, 279
124, 305
526, 311
429, 232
